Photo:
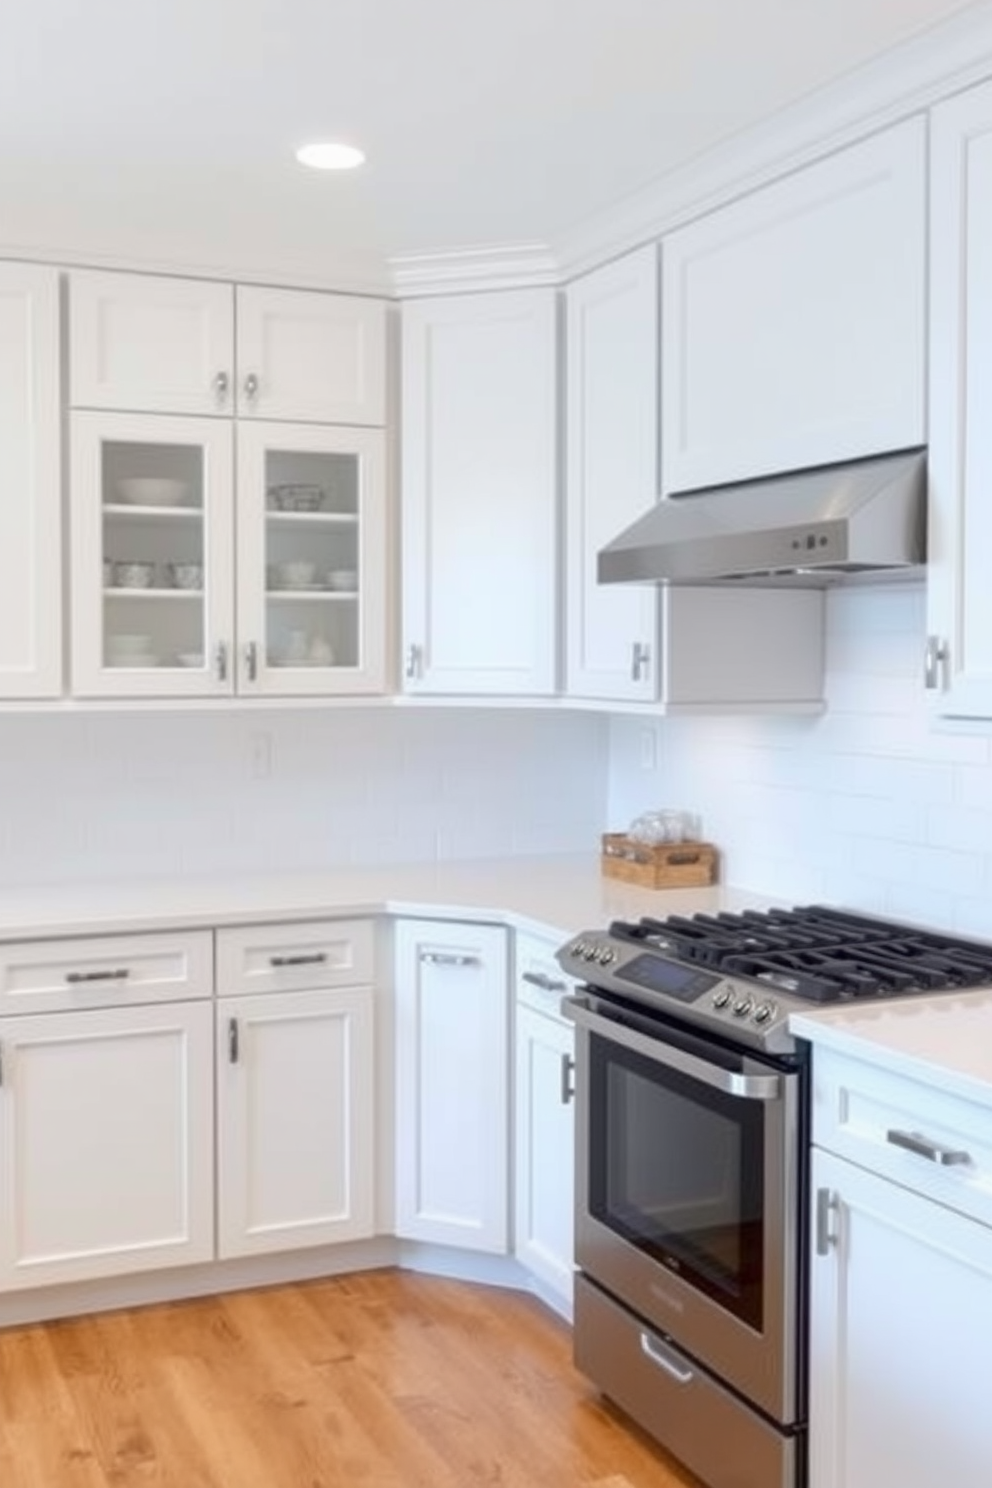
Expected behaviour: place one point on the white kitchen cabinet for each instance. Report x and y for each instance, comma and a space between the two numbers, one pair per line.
191, 578
687, 649
544, 1121
451, 1102
612, 631
793, 319
154, 344
295, 1086
106, 1111
30, 495
900, 1278
479, 503
959, 597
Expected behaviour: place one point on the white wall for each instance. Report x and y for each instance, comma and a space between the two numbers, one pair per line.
106, 795
870, 805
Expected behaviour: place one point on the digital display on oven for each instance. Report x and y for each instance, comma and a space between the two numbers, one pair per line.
684, 983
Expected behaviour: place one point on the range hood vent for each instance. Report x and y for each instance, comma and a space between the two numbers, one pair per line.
861, 520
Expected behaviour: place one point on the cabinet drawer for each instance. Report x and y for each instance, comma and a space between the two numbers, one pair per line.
293, 957
48, 976
938, 1144
541, 983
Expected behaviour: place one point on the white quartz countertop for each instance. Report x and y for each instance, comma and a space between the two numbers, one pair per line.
550, 895
945, 1039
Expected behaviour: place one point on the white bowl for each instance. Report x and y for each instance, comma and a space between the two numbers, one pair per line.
342, 578
119, 644
152, 490
296, 574
190, 658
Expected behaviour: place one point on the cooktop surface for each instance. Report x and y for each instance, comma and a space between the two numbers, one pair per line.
746, 972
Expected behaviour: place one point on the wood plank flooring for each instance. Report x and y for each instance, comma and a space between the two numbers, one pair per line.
385, 1379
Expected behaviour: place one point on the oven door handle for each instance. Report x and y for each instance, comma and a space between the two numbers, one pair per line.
747, 1087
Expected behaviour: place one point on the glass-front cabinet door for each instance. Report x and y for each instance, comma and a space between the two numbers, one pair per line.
151, 528
311, 559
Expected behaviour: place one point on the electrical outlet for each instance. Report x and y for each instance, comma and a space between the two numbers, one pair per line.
261, 756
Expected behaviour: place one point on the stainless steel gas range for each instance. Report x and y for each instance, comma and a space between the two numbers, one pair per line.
692, 1161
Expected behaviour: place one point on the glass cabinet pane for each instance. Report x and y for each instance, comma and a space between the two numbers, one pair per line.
153, 555
312, 558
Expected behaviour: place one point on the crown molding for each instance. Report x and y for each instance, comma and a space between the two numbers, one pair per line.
905, 80
500, 266
358, 277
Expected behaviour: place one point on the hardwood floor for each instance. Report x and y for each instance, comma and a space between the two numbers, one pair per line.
385, 1379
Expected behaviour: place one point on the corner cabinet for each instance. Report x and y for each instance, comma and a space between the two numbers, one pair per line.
959, 597
295, 1086
689, 649
479, 512
30, 474
452, 1105
794, 319
900, 1281
106, 1107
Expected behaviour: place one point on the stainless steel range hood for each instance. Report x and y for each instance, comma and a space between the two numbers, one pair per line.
864, 519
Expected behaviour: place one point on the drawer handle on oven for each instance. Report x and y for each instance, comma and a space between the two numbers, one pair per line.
542, 980
654, 1351
947, 1157
748, 1087
118, 974
314, 958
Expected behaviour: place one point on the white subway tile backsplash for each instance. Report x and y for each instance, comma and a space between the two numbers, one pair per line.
105, 796
874, 804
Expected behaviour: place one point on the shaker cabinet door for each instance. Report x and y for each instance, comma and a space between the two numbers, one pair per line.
316, 357
959, 595
479, 495
151, 344
30, 498
793, 319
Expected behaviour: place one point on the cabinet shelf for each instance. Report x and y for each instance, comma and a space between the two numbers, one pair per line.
311, 519
117, 592
154, 513
308, 595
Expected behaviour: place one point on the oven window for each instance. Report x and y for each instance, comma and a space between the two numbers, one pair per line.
676, 1168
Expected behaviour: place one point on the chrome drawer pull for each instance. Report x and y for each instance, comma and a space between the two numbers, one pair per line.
947, 1157
567, 1083
826, 1208
121, 974
448, 958
542, 980
233, 1041
653, 1350
314, 958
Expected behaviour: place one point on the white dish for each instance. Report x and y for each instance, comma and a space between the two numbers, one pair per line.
133, 662
152, 490
281, 588
345, 580
190, 658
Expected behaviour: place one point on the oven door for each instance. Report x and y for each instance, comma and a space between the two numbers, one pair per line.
688, 1193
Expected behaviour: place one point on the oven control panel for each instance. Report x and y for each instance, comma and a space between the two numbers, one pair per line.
741, 1011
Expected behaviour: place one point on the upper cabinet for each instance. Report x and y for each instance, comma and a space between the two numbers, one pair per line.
30, 498
959, 596
163, 345
611, 335
793, 319
690, 649
479, 493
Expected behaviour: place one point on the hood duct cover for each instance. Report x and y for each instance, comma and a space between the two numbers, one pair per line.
864, 519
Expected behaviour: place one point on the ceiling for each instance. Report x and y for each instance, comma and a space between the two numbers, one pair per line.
162, 131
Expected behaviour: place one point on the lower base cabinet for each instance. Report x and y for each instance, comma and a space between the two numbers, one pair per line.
545, 1135
900, 1330
106, 1150
295, 1120
452, 1109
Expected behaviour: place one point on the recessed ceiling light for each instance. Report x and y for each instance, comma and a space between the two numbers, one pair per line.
329, 155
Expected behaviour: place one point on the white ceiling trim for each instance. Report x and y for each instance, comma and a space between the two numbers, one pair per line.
906, 80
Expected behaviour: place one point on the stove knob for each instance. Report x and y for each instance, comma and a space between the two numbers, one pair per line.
606, 955
764, 1011
589, 952
742, 1007
722, 998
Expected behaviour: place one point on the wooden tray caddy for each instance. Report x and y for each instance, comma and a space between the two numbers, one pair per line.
672, 865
